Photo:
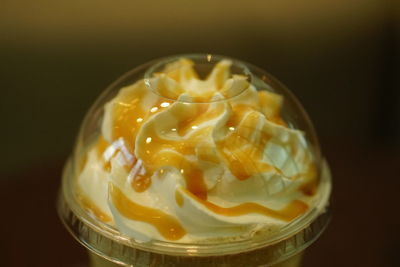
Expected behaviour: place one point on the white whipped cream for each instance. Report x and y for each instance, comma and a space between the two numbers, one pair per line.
232, 117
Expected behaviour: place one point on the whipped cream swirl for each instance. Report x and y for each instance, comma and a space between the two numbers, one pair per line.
189, 160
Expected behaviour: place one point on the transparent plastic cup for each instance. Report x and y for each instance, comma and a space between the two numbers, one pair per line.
107, 246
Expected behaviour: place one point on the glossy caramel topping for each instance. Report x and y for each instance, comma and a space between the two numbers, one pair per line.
166, 225
125, 121
242, 156
141, 182
243, 153
161, 151
221, 127
82, 162
154, 144
101, 147
241, 149
129, 115
89, 205
178, 198
310, 186
290, 212
238, 112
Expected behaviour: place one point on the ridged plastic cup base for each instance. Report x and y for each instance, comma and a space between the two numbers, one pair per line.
283, 249
97, 261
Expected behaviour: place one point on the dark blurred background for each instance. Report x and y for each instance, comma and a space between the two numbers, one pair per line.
341, 58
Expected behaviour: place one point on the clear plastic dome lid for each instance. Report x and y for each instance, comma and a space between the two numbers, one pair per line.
196, 149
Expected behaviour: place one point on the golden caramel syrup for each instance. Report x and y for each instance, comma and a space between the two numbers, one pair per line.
179, 198
242, 150
238, 112
101, 147
82, 162
290, 212
158, 150
141, 182
310, 186
90, 206
167, 226
242, 155
127, 117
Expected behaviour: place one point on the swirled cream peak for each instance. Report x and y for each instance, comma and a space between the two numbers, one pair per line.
179, 78
188, 159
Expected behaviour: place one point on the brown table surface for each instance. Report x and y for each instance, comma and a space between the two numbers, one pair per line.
365, 230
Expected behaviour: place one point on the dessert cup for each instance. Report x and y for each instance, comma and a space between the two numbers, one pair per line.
108, 246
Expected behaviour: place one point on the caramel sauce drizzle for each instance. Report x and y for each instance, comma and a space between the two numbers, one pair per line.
310, 186
167, 226
179, 198
101, 147
157, 155
294, 209
90, 206
125, 115
128, 116
141, 182
141, 178
242, 156
82, 162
